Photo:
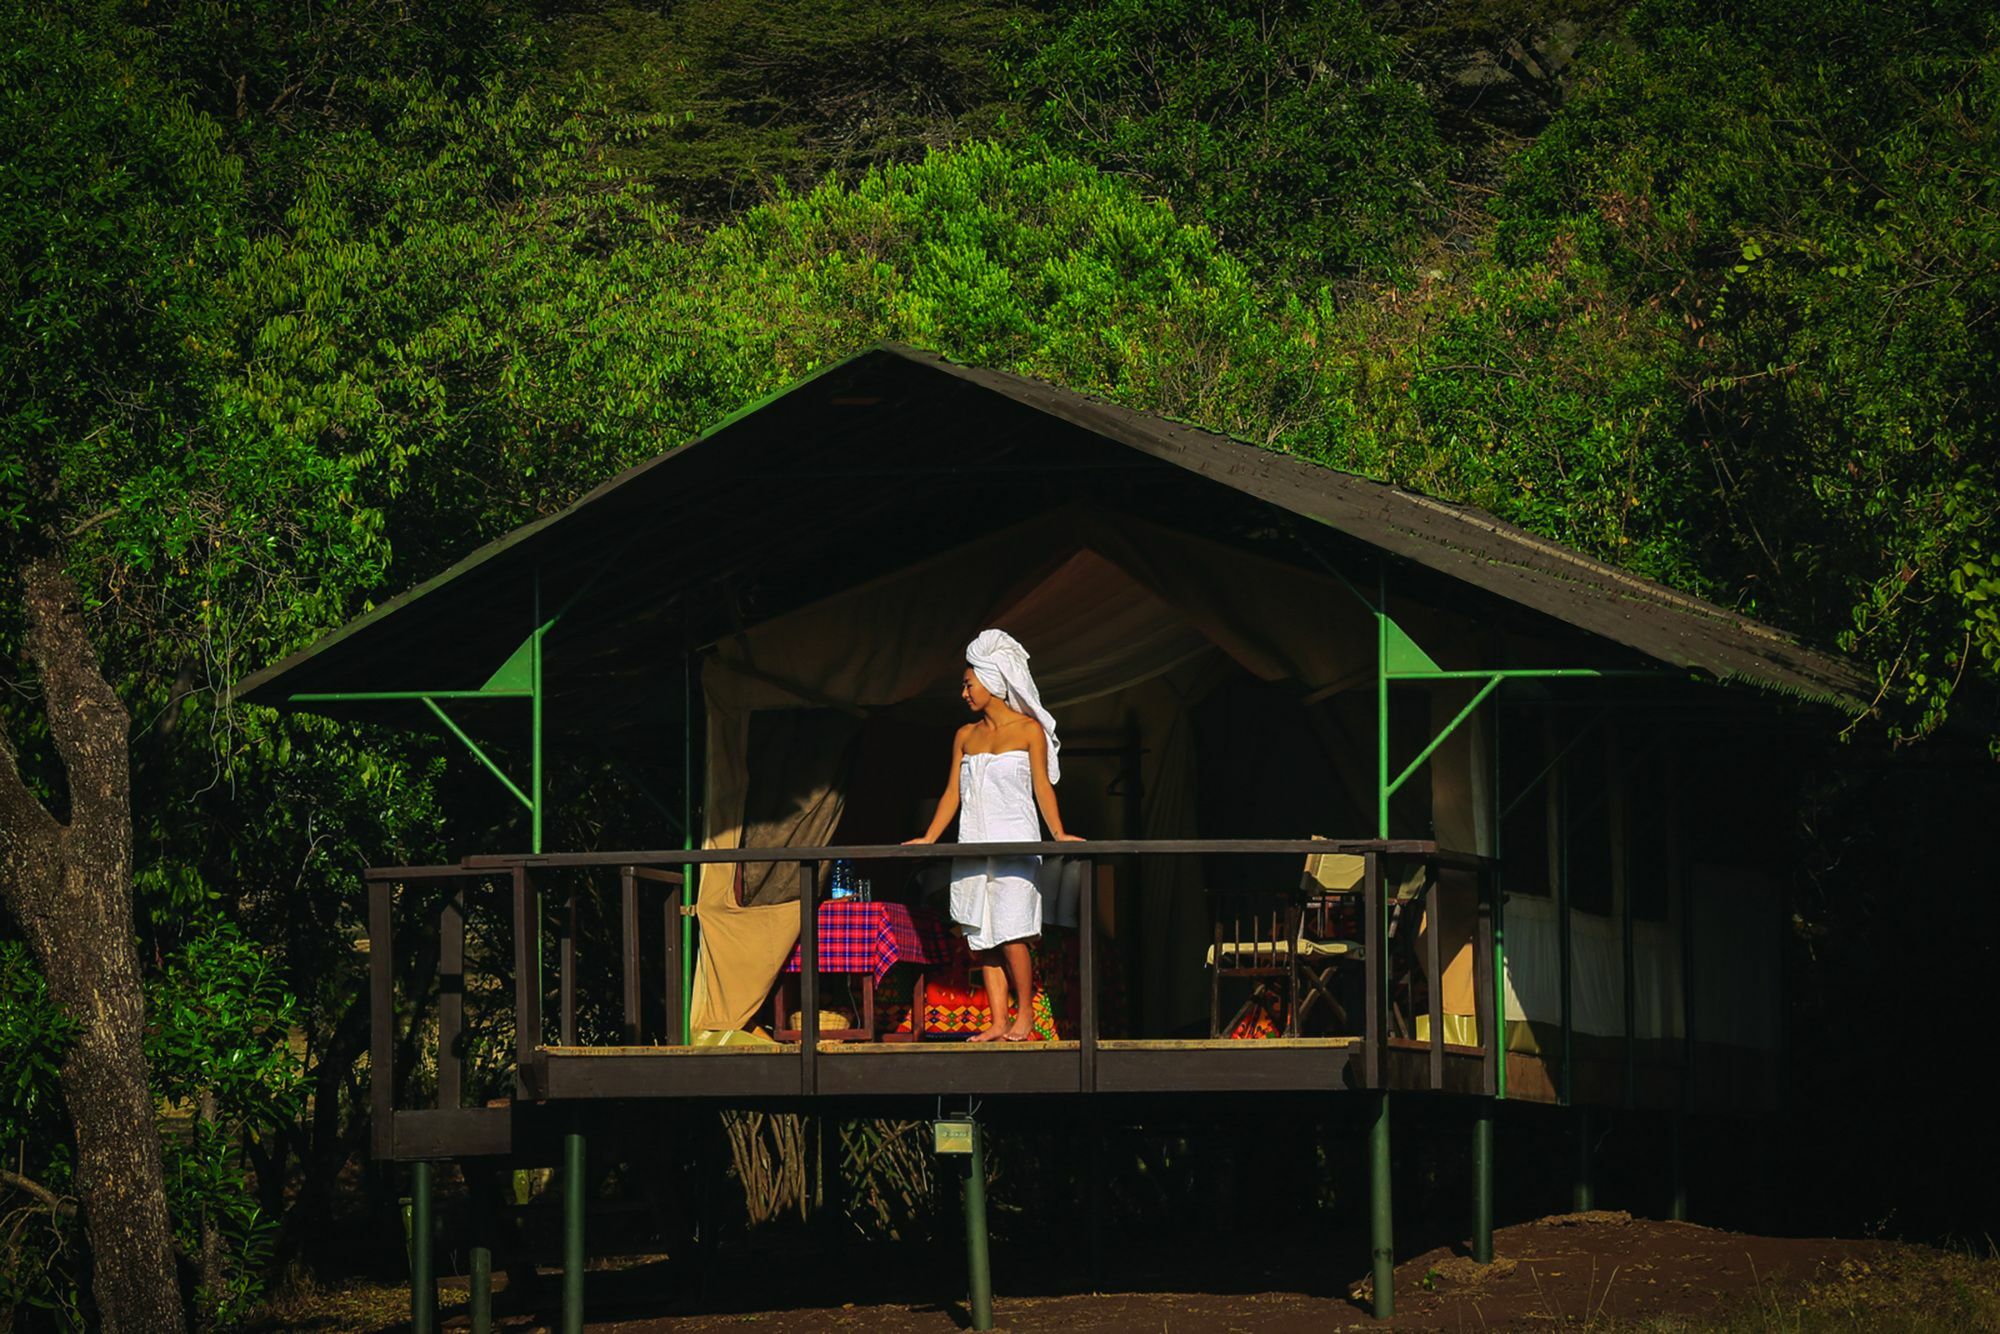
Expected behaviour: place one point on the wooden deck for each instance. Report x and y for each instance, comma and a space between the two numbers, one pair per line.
571, 1080
866, 1069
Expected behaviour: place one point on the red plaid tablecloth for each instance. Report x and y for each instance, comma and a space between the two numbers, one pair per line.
856, 937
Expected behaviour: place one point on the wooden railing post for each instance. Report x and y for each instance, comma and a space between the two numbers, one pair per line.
567, 983
671, 915
808, 981
628, 949
1086, 979
1434, 968
451, 998
527, 985
1375, 968
381, 1019
1491, 1026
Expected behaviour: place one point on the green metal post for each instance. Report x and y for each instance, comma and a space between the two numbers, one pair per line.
1566, 969
535, 739
1499, 884
688, 886
1381, 1213
1482, 1183
1382, 703
979, 1273
572, 1279
1583, 1196
479, 1303
423, 1274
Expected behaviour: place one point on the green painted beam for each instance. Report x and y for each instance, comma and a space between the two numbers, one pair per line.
1522, 673
1444, 736
479, 754
369, 696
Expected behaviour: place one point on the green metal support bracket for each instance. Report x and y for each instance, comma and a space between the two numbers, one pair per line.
479, 754
1492, 684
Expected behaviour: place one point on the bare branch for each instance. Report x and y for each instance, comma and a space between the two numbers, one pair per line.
61, 1204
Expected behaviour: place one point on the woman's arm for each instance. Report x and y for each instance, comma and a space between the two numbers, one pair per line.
1045, 791
947, 805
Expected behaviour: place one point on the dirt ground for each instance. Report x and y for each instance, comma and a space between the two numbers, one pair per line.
1599, 1270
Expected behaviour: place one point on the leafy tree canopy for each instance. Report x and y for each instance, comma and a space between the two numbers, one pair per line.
1283, 125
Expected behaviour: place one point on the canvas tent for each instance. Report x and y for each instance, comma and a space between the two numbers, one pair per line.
1148, 552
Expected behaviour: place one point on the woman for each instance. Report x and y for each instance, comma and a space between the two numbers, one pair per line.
1003, 766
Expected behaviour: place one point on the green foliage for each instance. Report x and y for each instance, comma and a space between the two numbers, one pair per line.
1809, 199
117, 202
39, 1242
1002, 257
738, 97
1282, 125
1531, 391
453, 300
219, 1045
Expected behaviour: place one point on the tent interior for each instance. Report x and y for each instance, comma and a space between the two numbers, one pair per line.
1201, 692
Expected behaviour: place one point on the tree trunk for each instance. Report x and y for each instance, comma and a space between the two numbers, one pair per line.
211, 1261
70, 887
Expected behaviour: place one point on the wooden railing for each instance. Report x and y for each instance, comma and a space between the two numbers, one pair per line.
1389, 1054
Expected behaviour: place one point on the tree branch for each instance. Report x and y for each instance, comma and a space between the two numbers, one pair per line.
87, 723
61, 1204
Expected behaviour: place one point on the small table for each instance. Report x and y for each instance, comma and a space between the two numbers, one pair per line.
867, 940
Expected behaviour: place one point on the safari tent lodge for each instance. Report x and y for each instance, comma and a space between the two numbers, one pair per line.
1381, 795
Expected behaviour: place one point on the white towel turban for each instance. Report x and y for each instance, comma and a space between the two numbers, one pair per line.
1001, 665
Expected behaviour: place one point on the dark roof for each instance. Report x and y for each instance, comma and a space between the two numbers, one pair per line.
878, 458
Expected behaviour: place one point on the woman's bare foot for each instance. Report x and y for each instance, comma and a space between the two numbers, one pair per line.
991, 1034
1020, 1033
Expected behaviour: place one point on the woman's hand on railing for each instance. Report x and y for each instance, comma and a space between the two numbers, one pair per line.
921, 838
1071, 838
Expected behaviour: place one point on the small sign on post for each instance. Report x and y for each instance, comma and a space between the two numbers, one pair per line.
951, 1136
